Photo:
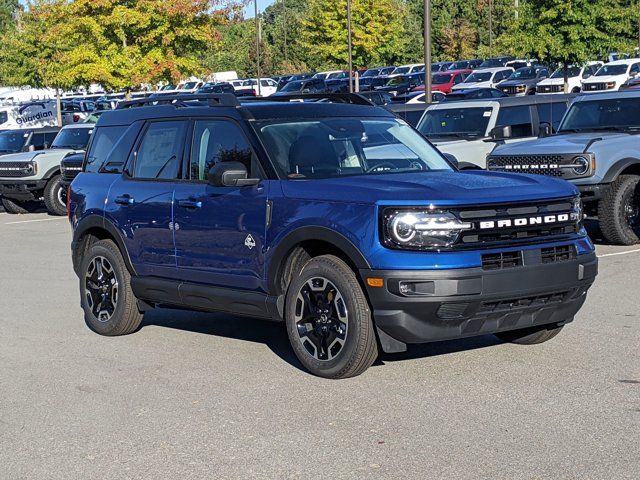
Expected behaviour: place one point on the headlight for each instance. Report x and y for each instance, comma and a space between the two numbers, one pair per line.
521, 88
581, 165
418, 229
611, 85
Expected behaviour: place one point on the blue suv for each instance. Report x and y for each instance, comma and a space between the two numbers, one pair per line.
322, 212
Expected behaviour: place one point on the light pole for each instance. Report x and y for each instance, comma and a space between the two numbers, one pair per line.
490, 27
349, 46
284, 30
427, 51
255, 5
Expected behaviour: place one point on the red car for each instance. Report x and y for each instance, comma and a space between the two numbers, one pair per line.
444, 81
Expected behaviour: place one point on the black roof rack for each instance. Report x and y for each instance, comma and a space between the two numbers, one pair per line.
183, 100
352, 98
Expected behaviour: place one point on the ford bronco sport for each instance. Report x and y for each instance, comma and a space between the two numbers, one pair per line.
597, 148
333, 216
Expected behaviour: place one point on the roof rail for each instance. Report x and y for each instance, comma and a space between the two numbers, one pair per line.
352, 98
183, 100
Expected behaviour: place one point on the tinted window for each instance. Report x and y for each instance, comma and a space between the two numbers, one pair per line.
611, 113
551, 113
217, 141
12, 141
37, 140
103, 142
159, 153
73, 138
462, 121
635, 68
519, 118
49, 137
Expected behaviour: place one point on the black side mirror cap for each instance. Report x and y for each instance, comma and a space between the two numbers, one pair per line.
230, 174
501, 133
544, 130
452, 159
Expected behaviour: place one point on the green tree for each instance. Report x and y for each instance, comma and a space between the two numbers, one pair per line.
570, 32
8, 9
378, 33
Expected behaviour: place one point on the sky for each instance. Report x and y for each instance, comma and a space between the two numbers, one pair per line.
262, 4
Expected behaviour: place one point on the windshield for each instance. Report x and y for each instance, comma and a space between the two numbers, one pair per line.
523, 74
612, 70
189, 85
295, 86
370, 73
12, 141
478, 77
458, 65
321, 76
455, 122
397, 81
401, 70
572, 72
72, 138
440, 79
610, 114
334, 147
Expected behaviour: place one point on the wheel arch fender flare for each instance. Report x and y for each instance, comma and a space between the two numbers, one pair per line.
97, 222
286, 245
618, 167
51, 173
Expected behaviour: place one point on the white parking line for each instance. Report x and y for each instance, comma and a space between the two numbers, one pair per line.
37, 220
619, 253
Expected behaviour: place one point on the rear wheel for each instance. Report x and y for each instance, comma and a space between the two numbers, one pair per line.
530, 336
109, 305
329, 321
619, 211
55, 196
18, 207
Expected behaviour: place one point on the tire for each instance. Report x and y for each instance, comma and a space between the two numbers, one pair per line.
55, 197
103, 315
339, 340
530, 336
18, 207
619, 211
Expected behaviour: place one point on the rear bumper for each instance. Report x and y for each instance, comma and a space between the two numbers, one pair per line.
22, 189
466, 302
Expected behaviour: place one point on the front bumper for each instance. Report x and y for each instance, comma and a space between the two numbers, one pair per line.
466, 302
591, 193
22, 189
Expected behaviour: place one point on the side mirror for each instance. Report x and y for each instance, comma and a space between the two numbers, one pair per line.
501, 133
230, 174
452, 159
544, 130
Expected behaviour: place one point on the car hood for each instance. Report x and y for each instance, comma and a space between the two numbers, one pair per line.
472, 187
558, 144
555, 81
604, 79
28, 156
462, 86
511, 83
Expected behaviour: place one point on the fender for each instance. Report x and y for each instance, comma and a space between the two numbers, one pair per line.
617, 168
302, 234
51, 172
97, 221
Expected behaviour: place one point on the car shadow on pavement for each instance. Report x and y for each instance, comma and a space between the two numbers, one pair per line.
274, 335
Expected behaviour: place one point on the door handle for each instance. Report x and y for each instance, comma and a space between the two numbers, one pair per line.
124, 200
190, 203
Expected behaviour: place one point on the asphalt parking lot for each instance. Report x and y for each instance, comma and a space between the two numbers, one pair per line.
211, 396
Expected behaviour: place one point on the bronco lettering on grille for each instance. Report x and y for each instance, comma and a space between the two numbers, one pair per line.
524, 221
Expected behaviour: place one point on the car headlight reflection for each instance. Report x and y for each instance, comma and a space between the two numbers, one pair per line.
422, 229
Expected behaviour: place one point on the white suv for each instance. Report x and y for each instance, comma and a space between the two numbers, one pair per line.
268, 86
575, 76
486, 78
612, 75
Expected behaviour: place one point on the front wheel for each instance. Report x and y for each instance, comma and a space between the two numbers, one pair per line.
329, 321
530, 336
55, 196
18, 207
619, 211
109, 305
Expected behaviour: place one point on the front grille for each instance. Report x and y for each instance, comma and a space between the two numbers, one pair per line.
69, 173
548, 165
16, 169
522, 302
594, 87
563, 253
499, 261
513, 89
452, 310
550, 88
518, 223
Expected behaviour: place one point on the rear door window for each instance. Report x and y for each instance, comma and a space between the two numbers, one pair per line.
518, 118
159, 154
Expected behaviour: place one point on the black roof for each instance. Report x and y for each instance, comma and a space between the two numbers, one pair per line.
295, 106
